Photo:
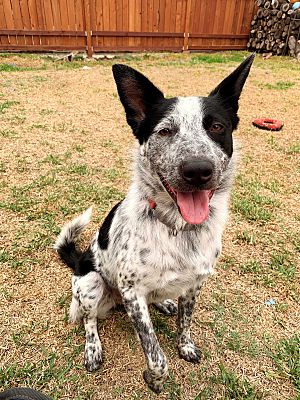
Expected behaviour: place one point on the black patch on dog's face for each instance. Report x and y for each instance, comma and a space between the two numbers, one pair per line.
103, 238
222, 105
215, 113
156, 113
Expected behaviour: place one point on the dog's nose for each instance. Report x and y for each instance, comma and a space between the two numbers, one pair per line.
197, 172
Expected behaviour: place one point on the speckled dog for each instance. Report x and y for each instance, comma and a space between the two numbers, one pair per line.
162, 241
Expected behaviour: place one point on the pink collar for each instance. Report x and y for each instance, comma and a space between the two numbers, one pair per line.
152, 204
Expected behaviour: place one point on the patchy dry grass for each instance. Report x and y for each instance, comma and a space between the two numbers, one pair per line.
65, 146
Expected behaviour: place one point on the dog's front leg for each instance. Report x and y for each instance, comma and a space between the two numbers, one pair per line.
137, 309
186, 346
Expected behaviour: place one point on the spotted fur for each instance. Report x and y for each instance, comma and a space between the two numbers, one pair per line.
146, 251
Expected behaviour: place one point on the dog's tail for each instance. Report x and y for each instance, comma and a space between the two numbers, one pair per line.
65, 242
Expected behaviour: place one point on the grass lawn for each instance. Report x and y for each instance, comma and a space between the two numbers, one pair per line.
65, 145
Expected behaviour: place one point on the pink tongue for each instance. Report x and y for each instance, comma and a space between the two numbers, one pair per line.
194, 206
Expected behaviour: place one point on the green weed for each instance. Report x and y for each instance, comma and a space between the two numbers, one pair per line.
53, 159
40, 78
79, 148
47, 111
111, 174
235, 388
273, 186
162, 325
17, 119
205, 394
40, 126
249, 203
109, 144
118, 391
2, 166
293, 149
7, 104
280, 85
79, 169
286, 357
41, 373
78, 195
252, 266
11, 67
173, 389
282, 263
247, 237
254, 207
242, 343
22, 165
226, 262
8, 133
5, 294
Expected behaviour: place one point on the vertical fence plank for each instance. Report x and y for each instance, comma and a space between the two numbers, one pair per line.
7, 20
2, 23
105, 20
16, 10
179, 11
87, 27
71, 14
48, 18
33, 20
25, 20
64, 24
119, 21
187, 26
56, 19
39, 13
125, 20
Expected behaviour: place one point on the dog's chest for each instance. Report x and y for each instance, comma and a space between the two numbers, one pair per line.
172, 268
159, 264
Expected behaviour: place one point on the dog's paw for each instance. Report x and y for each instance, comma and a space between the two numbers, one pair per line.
189, 352
92, 356
154, 383
168, 307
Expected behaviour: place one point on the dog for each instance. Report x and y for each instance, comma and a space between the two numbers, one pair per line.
163, 240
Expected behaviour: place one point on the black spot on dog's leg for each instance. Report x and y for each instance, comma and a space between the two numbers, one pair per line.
186, 347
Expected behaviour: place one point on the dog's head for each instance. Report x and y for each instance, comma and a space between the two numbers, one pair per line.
186, 140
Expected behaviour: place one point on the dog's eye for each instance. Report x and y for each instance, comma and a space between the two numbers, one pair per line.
216, 128
165, 132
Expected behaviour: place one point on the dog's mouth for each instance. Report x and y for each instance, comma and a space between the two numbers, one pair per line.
193, 206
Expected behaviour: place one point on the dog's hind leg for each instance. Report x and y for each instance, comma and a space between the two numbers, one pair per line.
168, 307
186, 346
91, 300
93, 348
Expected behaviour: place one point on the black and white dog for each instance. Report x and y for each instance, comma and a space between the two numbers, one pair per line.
163, 240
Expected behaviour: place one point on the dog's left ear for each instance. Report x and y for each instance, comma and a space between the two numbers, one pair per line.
136, 92
229, 90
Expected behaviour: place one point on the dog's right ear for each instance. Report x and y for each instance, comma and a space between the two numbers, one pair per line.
136, 92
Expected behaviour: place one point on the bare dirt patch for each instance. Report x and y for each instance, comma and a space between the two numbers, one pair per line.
64, 146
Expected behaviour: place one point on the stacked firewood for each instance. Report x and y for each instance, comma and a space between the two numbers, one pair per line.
273, 24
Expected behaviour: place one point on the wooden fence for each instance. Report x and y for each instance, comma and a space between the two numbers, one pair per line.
124, 25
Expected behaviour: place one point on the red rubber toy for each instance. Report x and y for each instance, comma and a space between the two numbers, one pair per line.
268, 124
